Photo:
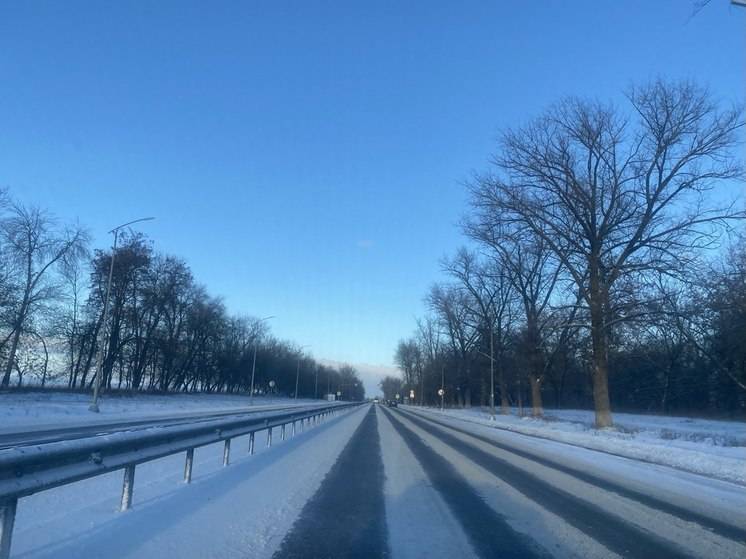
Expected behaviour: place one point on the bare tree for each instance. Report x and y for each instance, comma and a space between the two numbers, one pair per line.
490, 292
454, 310
408, 357
429, 338
390, 386
614, 196
34, 245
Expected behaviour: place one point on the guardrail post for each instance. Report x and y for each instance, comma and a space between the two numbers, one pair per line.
7, 519
188, 466
227, 452
292, 429
128, 486
269, 437
251, 443
282, 432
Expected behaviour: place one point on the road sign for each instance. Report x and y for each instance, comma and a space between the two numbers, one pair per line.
411, 394
397, 396
339, 392
271, 384
441, 391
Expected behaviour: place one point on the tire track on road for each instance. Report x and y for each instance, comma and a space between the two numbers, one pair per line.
490, 534
346, 516
615, 534
718, 527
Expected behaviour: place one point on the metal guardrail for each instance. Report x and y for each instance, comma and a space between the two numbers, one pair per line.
26, 470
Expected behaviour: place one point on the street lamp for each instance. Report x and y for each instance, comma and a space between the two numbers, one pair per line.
491, 357
253, 364
492, 372
442, 390
100, 360
297, 372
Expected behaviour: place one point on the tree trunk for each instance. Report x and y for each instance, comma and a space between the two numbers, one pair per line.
11, 356
520, 398
537, 406
504, 400
535, 365
601, 401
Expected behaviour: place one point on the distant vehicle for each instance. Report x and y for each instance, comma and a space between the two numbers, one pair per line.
392, 404
375, 400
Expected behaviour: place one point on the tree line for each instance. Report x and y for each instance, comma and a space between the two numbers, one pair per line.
163, 330
606, 264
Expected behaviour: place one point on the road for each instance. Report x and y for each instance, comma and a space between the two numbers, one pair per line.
443, 491
70, 431
392, 483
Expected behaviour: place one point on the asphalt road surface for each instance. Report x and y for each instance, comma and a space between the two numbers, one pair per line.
411, 485
346, 516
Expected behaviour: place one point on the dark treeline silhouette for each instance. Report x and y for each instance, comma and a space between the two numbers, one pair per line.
606, 267
164, 331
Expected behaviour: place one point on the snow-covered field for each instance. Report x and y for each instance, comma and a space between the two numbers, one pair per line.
41, 409
713, 448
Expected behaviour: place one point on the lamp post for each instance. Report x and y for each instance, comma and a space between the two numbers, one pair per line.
442, 390
491, 357
253, 364
297, 372
492, 373
100, 359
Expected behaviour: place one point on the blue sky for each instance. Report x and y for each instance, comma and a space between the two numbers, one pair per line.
306, 158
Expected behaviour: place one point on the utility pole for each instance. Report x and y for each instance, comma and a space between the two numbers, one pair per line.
422, 388
253, 364
442, 386
100, 359
297, 372
492, 373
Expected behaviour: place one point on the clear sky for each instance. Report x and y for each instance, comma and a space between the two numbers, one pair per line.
306, 158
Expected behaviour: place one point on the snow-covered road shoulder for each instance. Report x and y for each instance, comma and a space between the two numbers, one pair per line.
715, 449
